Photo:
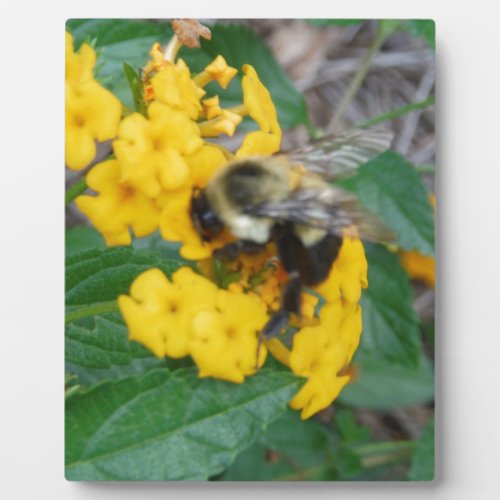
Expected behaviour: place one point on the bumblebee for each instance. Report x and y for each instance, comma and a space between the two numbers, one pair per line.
289, 199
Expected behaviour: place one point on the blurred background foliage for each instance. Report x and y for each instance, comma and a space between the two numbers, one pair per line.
324, 76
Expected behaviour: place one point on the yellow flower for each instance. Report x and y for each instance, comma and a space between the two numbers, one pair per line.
117, 206
159, 312
270, 292
258, 101
259, 143
224, 342
172, 85
211, 107
420, 267
79, 66
343, 321
321, 353
225, 123
92, 112
309, 303
176, 225
158, 60
316, 357
151, 150
260, 107
217, 70
349, 273
204, 162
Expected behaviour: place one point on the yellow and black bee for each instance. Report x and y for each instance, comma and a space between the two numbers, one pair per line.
289, 199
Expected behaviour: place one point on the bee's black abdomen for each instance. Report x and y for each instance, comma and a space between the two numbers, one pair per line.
306, 265
312, 263
321, 256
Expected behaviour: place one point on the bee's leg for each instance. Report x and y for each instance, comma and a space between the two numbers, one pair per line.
274, 326
227, 253
290, 303
290, 249
291, 253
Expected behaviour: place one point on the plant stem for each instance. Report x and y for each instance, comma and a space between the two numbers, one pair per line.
424, 168
76, 189
395, 113
314, 132
358, 79
91, 310
172, 48
384, 447
371, 455
71, 390
375, 454
304, 475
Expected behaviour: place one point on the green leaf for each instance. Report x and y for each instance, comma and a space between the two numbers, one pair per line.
118, 41
350, 431
291, 449
99, 350
136, 87
348, 463
83, 238
169, 250
390, 187
422, 28
383, 385
96, 276
390, 324
223, 276
169, 426
240, 45
422, 462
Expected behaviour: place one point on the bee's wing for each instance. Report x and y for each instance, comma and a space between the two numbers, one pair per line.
332, 209
336, 156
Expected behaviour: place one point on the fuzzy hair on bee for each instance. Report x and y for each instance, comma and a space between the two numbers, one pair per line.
289, 199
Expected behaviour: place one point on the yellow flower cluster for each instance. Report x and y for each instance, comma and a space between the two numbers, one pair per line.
92, 112
190, 315
159, 158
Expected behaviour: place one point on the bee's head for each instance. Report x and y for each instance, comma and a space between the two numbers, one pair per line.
205, 220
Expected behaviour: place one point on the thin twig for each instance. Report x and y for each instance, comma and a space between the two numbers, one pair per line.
357, 80
395, 113
411, 122
425, 154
